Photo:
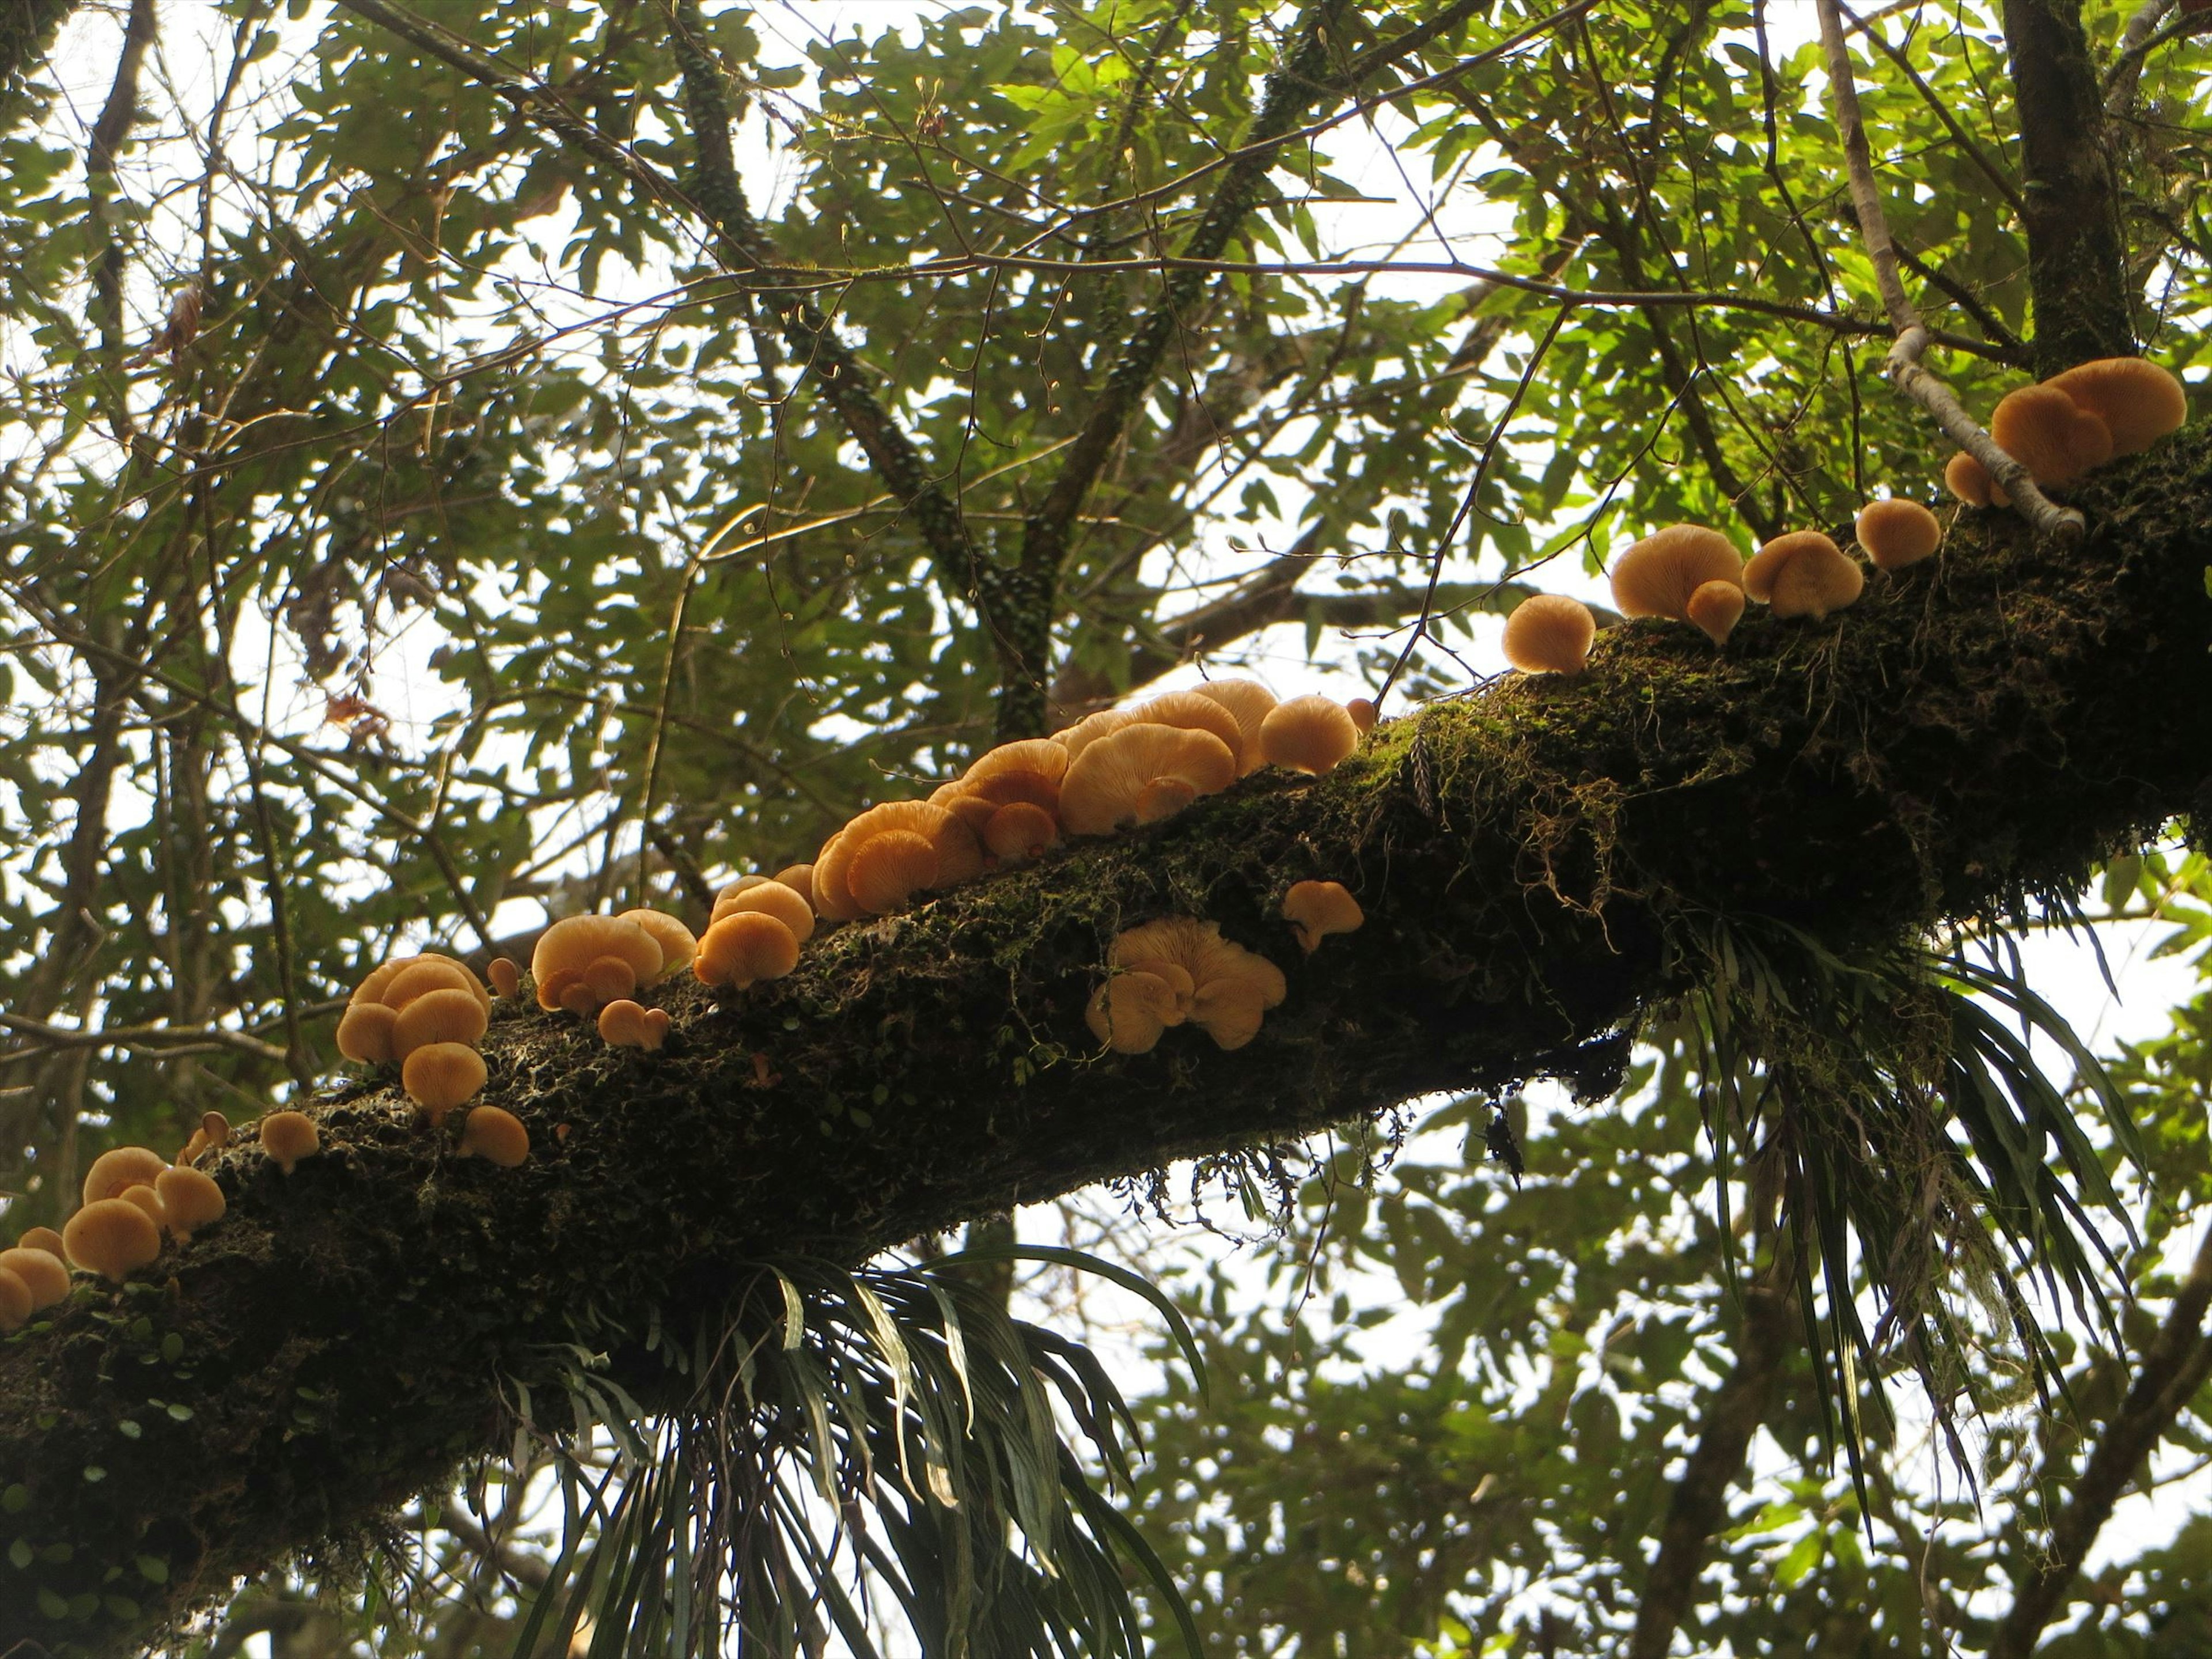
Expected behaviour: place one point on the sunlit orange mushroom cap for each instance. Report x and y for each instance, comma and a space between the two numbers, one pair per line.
1310, 734
1140, 775
1656, 576
744, 948
1550, 633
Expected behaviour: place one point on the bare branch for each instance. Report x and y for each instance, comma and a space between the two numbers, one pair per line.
1913, 337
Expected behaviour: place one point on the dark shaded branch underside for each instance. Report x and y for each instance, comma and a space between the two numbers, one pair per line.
1979, 730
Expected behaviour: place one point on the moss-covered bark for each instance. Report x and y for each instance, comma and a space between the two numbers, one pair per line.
1984, 726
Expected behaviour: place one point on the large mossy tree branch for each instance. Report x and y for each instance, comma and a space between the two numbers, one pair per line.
1534, 861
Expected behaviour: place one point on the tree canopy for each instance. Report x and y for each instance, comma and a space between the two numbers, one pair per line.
466, 466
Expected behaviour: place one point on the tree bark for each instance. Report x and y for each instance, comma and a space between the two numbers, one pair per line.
1980, 729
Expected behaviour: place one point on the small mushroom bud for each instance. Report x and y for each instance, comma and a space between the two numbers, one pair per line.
439, 1076
494, 1135
1970, 480
1550, 633
115, 1171
2042, 428
288, 1137
14, 1302
1716, 608
365, 1032
42, 1238
506, 978
1363, 714
744, 948
2138, 402
1308, 734
1019, 832
1656, 576
113, 1237
191, 1199
624, 1025
446, 1016
1896, 533
42, 1273
1803, 573
1318, 908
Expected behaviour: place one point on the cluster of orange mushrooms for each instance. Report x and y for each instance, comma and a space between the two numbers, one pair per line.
2058, 430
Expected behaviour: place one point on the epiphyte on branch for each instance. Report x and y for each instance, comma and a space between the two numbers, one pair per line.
1803, 573
1897, 532
1550, 633
584, 963
744, 948
1310, 734
2062, 428
1716, 608
625, 1024
288, 1137
496, 1135
1230, 986
111, 1238
1142, 773
190, 1201
1656, 576
439, 1076
370, 1032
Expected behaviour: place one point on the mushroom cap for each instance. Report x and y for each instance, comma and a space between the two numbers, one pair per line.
830, 904
624, 1025
1308, 734
190, 1199
973, 810
149, 1200
674, 938
212, 1136
1656, 576
288, 1137
1363, 714
505, 976
772, 898
1550, 633
1139, 774
889, 869
1804, 573
439, 1076
1970, 480
1223, 975
496, 1135
2138, 401
14, 1300
1087, 731
1318, 908
800, 877
744, 948
446, 1016
427, 974
1716, 608
2046, 432
958, 854
112, 1237
1129, 1013
42, 1238
582, 962
378, 986
1028, 769
365, 1032
43, 1272
1250, 701
1019, 831
119, 1169
1229, 1013
1897, 532
1194, 711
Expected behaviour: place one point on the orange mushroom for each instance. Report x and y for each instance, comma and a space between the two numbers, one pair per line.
774, 898
1363, 714
439, 1076
506, 978
2046, 432
1140, 775
191, 1199
1250, 701
624, 1025
113, 1237
674, 938
800, 877
1308, 734
365, 1032
149, 1200
583, 963
442, 1015
1091, 727
923, 847
1229, 988
1716, 608
1656, 576
1019, 831
288, 1137
1550, 633
1803, 573
14, 1300
1897, 532
2138, 402
1970, 480
43, 1272
427, 974
1194, 711
1029, 770
744, 948
117, 1171
1129, 1013
1318, 908
496, 1135
42, 1238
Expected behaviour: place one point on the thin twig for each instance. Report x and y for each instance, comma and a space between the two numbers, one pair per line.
1913, 337
2137, 39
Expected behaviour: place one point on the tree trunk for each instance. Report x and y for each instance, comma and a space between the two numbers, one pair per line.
1981, 729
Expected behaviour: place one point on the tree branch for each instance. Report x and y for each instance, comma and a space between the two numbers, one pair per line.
1527, 858
1913, 338
2173, 1368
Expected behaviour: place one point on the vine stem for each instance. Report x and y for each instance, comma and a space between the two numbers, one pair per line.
1903, 366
